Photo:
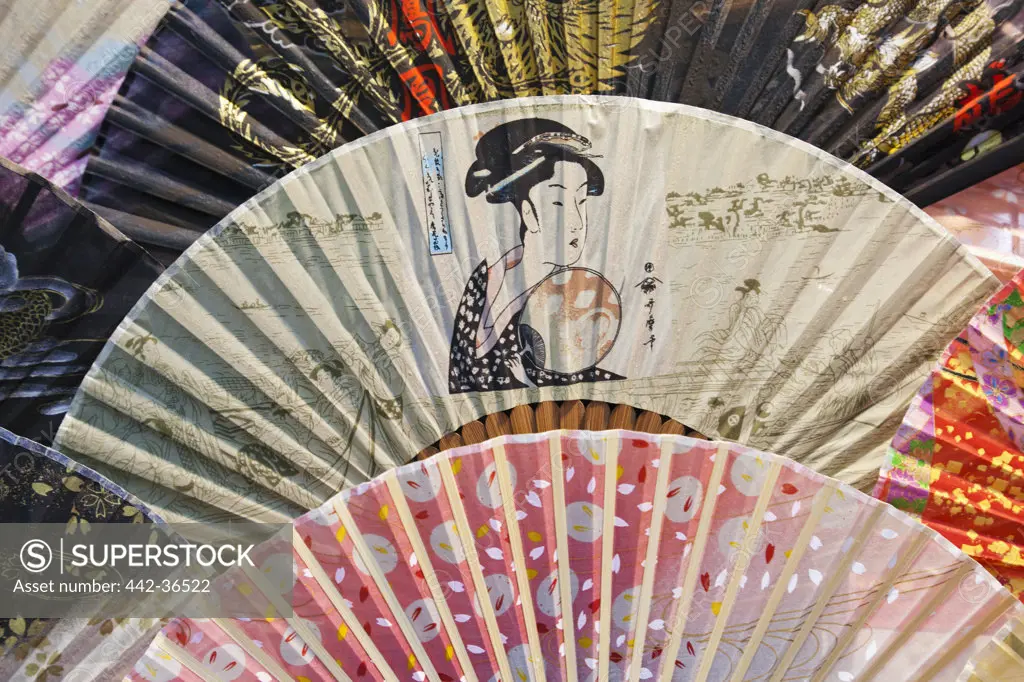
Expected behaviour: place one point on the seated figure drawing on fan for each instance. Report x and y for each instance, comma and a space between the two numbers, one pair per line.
536, 316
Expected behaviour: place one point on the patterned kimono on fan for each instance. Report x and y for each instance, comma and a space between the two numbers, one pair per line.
957, 461
493, 371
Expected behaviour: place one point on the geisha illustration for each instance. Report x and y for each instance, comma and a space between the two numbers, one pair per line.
535, 317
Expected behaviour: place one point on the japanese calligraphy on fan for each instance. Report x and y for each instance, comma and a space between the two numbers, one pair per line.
434, 193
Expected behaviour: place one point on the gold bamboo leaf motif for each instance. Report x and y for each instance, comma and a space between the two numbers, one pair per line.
326, 29
475, 34
234, 95
509, 20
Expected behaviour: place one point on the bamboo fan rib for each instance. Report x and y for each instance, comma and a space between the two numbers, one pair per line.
554, 415
507, 254
924, 94
614, 555
1002, 659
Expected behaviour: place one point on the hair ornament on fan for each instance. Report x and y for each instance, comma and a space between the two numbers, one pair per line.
567, 141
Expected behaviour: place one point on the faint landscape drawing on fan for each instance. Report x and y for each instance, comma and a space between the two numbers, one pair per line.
763, 209
548, 173
752, 341
301, 227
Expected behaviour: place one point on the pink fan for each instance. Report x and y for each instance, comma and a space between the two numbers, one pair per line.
602, 556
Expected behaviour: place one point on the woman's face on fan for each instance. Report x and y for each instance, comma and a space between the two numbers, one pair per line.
556, 214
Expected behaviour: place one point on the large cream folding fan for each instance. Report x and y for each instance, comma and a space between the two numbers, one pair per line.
601, 556
562, 248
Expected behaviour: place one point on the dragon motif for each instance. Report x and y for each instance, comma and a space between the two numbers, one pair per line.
895, 127
881, 66
824, 26
866, 58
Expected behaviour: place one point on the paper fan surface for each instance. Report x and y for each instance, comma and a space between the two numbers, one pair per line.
956, 461
603, 556
986, 217
39, 485
229, 94
62, 64
744, 284
67, 278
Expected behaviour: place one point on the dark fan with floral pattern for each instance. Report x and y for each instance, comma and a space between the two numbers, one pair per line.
67, 277
39, 485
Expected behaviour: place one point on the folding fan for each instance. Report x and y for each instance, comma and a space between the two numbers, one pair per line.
956, 461
508, 254
228, 95
988, 218
39, 485
601, 556
1000, 661
67, 278
63, 62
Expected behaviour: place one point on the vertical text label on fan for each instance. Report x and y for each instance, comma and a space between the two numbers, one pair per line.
434, 193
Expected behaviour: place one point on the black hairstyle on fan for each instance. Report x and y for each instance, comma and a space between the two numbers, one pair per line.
514, 156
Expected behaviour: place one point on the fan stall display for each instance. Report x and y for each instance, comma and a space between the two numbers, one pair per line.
602, 556
229, 95
67, 278
956, 461
508, 254
62, 64
39, 485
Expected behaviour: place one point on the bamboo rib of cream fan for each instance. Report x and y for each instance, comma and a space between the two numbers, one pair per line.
580, 555
563, 248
